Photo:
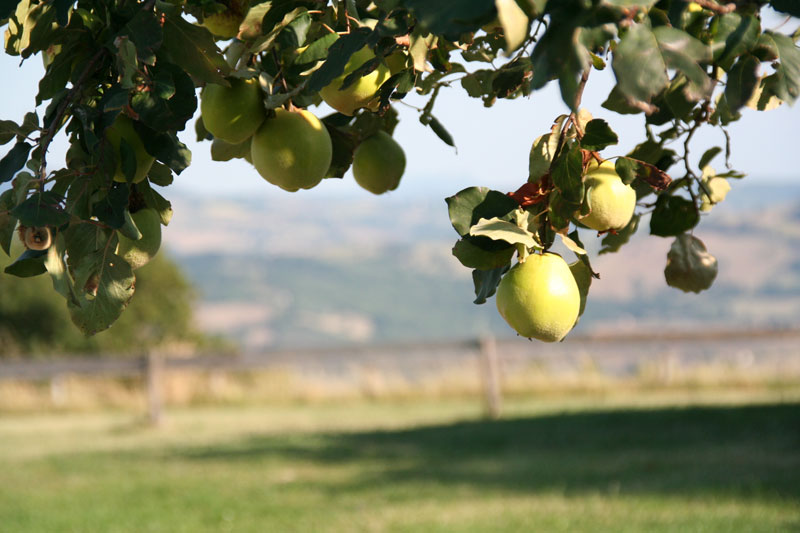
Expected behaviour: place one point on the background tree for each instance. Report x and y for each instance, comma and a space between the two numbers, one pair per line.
34, 321
121, 76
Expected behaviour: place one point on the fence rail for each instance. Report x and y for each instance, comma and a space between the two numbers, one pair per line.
493, 359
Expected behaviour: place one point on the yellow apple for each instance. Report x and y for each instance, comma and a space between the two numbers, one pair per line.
379, 163
359, 94
611, 202
233, 113
293, 150
122, 128
539, 298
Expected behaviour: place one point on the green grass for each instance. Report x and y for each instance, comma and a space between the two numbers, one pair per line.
550, 466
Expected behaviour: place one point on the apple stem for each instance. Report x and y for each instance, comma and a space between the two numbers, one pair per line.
522, 252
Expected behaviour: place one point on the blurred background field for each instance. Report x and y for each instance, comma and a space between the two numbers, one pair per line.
335, 382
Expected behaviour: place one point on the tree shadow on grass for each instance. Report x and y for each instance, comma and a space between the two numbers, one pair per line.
752, 451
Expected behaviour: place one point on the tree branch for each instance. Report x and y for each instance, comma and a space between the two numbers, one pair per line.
53, 127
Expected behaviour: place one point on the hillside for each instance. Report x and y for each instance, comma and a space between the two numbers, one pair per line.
278, 271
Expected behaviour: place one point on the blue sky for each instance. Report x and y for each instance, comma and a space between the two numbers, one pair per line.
493, 143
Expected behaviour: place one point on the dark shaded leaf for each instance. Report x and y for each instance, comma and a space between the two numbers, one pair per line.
743, 80
41, 209
672, 216
567, 173
193, 48
28, 265
470, 205
473, 256
638, 64
14, 160
486, 282
598, 135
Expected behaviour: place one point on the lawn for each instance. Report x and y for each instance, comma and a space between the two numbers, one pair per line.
549, 465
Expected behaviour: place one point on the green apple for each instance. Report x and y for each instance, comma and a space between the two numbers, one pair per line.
233, 113
379, 163
610, 201
539, 298
361, 93
293, 150
226, 23
139, 252
122, 128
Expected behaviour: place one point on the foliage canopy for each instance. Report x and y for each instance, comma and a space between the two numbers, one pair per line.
681, 65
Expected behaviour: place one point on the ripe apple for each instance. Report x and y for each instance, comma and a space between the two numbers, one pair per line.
226, 23
611, 202
293, 150
347, 101
539, 298
232, 113
122, 128
378, 163
139, 253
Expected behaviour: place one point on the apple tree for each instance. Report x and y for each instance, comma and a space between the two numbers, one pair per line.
121, 79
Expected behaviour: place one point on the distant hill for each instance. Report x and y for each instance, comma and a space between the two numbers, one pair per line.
281, 271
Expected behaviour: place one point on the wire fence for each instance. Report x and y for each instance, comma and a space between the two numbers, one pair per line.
492, 366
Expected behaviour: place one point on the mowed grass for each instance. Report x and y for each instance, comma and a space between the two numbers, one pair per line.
550, 465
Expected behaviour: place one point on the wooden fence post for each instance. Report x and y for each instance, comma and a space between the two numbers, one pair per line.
155, 383
490, 376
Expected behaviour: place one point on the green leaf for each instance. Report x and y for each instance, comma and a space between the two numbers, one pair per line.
540, 158
225, 151
672, 216
471, 204
154, 200
598, 135
787, 86
790, 7
451, 18
115, 285
160, 174
170, 103
111, 207
193, 48
690, 267
14, 160
567, 174
743, 80
473, 256
54, 263
8, 130
317, 50
639, 65
708, 156
686, 54
486, 282
514, 22
127, 62
28, 265
440, 131
7, 221
626, 169
502, 230
166, 148
735, 36
583, 278
572, 245
41, 209
338, 55
613, 241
